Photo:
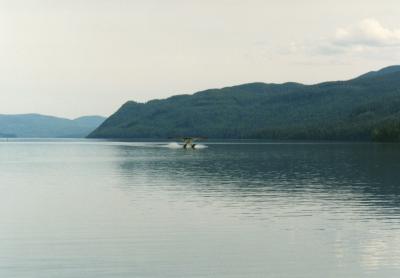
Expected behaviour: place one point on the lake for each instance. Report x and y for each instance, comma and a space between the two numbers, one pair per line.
82, 208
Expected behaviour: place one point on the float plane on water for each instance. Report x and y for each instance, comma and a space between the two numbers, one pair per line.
188, 142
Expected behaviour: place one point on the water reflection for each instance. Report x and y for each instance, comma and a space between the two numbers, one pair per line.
363, 175
111, 209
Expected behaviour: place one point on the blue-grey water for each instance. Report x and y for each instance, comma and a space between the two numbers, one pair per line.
239, 209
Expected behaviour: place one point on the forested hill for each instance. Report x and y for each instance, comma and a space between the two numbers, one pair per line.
364, 108
40, 126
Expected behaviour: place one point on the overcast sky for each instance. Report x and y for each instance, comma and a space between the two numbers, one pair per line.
71, 58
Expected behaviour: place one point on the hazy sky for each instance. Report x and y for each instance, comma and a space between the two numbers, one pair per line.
71, 58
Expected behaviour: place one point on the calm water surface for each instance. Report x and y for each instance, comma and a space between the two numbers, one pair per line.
108, 209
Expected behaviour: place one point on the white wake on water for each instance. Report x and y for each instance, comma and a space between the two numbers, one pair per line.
200, 146
175, 145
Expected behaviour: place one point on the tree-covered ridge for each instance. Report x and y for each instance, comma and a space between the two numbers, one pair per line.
387, 132
342, 110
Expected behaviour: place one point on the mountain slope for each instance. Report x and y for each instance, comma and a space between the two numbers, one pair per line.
342, 110
384, 71
41, 126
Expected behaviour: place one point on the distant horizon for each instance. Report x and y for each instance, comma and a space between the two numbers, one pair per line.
54, 116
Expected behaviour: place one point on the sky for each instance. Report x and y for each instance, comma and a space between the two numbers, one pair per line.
71, 58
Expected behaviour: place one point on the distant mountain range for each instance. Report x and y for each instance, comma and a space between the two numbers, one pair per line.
364, 108
41, 126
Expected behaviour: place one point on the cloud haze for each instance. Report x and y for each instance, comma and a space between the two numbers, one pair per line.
369, 32
367, 37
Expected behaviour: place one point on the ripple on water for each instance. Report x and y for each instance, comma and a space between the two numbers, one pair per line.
147, 209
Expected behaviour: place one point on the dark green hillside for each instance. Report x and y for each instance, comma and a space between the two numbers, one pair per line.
343, 110
384, 71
